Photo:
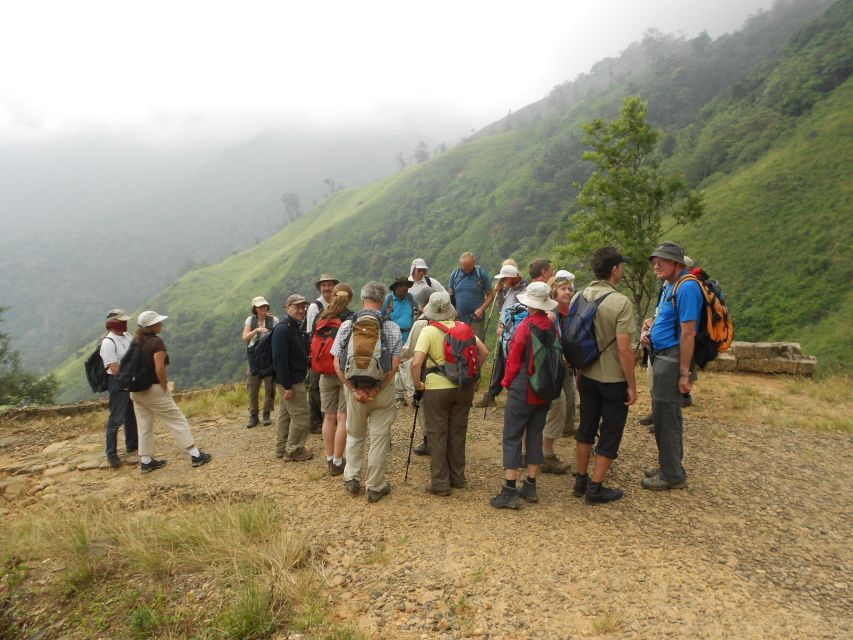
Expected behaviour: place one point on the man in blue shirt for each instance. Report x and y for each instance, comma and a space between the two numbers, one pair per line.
401, 308
471, 289
672, 335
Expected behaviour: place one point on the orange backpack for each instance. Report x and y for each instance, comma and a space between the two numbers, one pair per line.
716, 329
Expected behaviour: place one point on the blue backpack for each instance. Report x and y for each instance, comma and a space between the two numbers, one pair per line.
513, 316
578, 341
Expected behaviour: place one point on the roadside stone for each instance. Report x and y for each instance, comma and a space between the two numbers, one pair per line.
54, 447
11, 488
56, 471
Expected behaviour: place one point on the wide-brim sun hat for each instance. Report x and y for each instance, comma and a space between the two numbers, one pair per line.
537, 295
507, 271
669, 251
149, 319
439, 307
419, 263
405, 281
259, 301
325, 277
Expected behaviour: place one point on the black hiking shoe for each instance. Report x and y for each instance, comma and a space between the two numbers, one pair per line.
597, 493
201, 458
581, 483
422, 449
506, 499
267, 420
253, 421
528, 492
353, 487
147, 467
115, 462
376, 496
647, 421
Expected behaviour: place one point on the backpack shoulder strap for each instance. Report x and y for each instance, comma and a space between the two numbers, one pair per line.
388, 305
480, 273
413, 304
254, 323
454, 276
428, 281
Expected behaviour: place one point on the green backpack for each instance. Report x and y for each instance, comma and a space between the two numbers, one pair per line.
549, 372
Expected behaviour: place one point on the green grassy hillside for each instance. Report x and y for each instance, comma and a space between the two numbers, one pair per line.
770, 154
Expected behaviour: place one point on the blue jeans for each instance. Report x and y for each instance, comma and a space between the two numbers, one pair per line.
121, 413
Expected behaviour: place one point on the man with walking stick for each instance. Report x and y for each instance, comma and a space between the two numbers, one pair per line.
470, 289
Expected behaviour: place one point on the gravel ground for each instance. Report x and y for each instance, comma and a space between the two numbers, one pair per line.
756, 547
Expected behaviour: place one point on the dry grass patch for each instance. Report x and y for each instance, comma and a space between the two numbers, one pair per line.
238, 567
781, 401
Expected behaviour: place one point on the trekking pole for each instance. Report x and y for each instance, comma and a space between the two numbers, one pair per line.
417, 404
491, 311
492, 375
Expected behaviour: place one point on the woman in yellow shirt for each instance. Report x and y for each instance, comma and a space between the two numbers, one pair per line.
446, 405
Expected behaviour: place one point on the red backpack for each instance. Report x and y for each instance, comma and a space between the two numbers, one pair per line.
461, 359
322, 340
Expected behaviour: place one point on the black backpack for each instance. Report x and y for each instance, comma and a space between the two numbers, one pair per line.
133, 375
580, 346
260, 355
96, 372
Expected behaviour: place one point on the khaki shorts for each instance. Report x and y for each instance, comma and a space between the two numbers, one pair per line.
332, 398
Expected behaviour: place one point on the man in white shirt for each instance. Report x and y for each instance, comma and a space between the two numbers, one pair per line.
113, 347
325, 285
419, 278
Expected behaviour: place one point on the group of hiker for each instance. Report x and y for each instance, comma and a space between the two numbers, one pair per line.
346, 373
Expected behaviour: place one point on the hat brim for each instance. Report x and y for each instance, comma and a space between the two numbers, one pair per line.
667, 256
534, 303
440, 317
121, 318
319, 282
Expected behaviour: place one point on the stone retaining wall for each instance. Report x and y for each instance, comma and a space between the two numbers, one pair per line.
765, 357
90, 406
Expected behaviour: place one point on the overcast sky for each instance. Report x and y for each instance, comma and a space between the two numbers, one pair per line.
187, 69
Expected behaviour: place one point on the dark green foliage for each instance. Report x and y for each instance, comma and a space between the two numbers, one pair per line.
18, 386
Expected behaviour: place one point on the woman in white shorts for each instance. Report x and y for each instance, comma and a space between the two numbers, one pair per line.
333, 402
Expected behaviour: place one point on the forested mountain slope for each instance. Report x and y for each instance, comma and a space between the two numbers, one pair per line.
760, 119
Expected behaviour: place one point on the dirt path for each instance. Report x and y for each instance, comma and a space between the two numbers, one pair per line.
757, 547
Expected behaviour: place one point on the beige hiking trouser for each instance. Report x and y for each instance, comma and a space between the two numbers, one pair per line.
376, 419
156, 403
292, 419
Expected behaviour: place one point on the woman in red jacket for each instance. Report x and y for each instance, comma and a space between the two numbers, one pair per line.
525, 412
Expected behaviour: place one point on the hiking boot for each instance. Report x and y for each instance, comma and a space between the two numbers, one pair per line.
555, 464
528, 492
267, 420
651, 472
648, 420
280, 454
201, 458
487, 400
436, 492
337, 469
581, 483
376, 496
423, 448
597, 493
133, 452
316, 428
253, 421
353, 487
657, 483
686, 400
147, 467
400, 403
506, 499
298, 455
115, 462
